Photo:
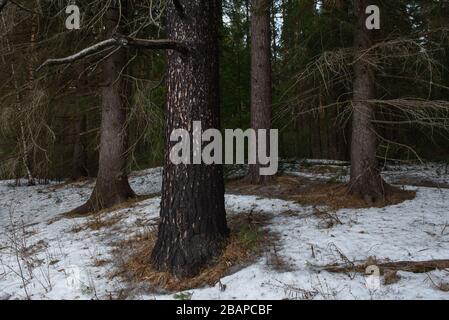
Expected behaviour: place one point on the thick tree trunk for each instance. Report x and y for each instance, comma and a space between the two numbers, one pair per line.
366, 180
261, 94
193, 228
112, 185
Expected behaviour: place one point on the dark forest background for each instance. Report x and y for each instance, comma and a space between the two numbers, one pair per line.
52, 118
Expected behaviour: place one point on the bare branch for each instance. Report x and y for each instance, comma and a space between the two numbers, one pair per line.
157, 44
115, 42
110, 43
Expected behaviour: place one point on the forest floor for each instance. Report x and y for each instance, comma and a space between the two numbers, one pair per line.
313, 231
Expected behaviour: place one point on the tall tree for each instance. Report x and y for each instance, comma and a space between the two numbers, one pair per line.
261, 85
366, 180
193, 228
112, 186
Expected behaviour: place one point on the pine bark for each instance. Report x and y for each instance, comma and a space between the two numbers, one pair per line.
112, 186
366, 180
261, 77
193, 228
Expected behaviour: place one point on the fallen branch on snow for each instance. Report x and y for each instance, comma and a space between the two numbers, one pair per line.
407, 266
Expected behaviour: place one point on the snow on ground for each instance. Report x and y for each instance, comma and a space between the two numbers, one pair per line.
41, 257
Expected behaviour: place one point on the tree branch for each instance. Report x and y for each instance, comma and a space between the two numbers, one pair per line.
116, 42
110, 43
157, 44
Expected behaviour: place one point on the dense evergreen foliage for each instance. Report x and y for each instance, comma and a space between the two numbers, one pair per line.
54, 120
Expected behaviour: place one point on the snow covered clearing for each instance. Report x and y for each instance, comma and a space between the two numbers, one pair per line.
46, 256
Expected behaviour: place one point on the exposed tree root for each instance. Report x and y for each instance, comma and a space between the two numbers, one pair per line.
94, 205
371, 190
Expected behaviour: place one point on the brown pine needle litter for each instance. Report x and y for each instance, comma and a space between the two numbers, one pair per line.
335, 196
249, 240
306, 191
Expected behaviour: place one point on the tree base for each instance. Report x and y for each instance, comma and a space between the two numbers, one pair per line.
371, 189
187, 258
102, 198
254, 177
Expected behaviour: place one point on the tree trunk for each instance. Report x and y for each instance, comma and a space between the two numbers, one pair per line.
261, 95
366, 180
79, 153
193, 228
112, 186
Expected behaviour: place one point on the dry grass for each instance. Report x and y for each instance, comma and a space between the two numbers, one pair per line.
335, 196
282, 187
101, 262
315, 193
391, 277
98, 221
248, 241
276, 261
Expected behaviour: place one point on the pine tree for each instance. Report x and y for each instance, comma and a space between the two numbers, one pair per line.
112, 186
366, 180
193, 228
261, 77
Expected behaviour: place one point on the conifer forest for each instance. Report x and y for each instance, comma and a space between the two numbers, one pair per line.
224, 150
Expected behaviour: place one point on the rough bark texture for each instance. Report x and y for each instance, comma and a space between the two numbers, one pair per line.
193, 228
112, 185
366, 180
261, 95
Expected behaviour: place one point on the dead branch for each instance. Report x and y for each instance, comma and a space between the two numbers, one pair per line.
116, 42
103, 45
156, 44
407, 266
